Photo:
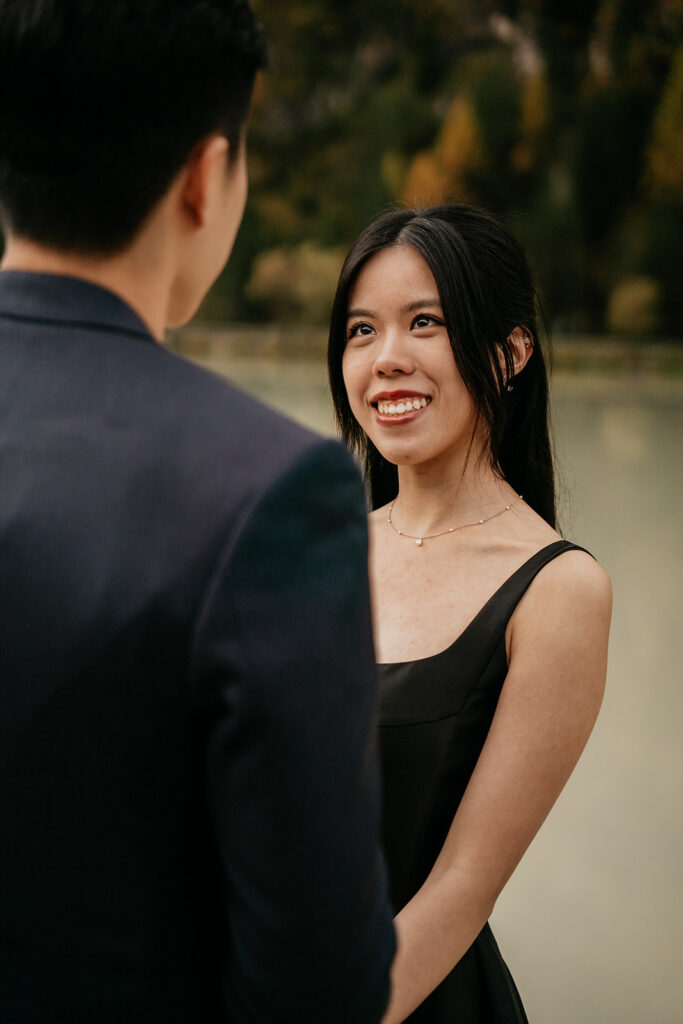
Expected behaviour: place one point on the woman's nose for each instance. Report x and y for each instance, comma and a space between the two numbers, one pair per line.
393, 357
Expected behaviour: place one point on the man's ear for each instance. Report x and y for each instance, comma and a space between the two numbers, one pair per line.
204, 178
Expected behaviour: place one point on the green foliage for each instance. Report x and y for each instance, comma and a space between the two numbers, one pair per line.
665, 156
295, 284
562, 115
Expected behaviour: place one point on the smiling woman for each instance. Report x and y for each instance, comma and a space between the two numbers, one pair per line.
490, 629
398, 355
478, 283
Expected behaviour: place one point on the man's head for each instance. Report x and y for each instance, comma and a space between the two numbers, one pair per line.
103, 102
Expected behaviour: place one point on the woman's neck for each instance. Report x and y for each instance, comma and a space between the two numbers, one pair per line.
431, 502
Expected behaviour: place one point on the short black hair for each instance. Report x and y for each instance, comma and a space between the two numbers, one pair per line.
102, 102
486, 290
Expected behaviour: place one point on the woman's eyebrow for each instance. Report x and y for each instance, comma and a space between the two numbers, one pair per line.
421, 304
359, 312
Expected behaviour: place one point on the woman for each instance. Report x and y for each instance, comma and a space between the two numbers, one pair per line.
491, 631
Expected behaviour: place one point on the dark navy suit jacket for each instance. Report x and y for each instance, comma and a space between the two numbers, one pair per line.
188, 788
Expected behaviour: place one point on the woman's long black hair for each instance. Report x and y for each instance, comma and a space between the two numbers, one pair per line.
486, 290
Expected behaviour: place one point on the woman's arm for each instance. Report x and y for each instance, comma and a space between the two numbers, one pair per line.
557, 655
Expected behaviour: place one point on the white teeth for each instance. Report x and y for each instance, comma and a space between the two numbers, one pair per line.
402, 407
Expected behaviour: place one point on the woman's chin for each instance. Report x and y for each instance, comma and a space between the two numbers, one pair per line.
402, 455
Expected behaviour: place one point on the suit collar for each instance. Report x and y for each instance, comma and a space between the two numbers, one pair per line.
55, 299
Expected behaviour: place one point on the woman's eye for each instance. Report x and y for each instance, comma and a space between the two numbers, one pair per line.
359, 330
425, 320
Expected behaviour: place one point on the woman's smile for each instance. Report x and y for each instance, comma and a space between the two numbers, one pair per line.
395, 407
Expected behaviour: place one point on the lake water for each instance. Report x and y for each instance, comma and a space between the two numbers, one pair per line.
591, 921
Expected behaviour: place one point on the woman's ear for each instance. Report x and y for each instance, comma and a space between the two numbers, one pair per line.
521, 346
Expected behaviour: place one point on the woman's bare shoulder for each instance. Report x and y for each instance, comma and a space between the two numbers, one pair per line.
571, 589
576, 572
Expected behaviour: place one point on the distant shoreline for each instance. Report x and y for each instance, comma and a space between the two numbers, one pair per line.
608, 355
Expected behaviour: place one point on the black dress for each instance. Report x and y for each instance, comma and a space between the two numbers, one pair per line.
435, 714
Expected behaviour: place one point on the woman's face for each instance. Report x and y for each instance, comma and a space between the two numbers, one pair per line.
401, 378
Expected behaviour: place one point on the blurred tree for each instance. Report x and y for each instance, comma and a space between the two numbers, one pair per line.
443, 172
296, 284
663, 190
664, 175
562, 115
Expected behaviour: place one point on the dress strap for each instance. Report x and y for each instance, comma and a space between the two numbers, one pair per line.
505, 600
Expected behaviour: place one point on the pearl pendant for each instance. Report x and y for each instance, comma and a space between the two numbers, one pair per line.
419, 542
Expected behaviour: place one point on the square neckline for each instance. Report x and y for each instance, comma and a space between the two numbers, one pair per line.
511, 579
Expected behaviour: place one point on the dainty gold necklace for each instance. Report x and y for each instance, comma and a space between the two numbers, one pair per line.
451, 529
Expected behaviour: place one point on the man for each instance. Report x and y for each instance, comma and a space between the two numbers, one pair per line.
188, 809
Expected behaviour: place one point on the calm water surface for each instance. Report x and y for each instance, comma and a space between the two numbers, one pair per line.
591, 922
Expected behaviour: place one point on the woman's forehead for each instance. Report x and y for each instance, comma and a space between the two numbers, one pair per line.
396, 274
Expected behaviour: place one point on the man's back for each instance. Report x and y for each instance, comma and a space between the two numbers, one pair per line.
188, 813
